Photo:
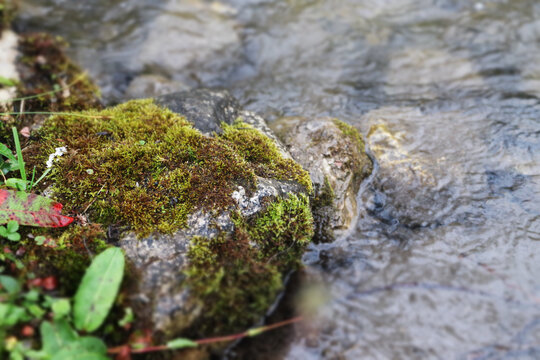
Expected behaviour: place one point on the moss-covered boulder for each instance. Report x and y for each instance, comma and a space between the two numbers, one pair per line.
210, 224
334, 154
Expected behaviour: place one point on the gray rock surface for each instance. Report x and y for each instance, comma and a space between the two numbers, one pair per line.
337, 164
205, 108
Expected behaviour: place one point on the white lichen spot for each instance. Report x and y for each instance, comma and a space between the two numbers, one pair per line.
59, 151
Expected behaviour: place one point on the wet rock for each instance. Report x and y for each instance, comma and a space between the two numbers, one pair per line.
333, 153
205, 108
405, 189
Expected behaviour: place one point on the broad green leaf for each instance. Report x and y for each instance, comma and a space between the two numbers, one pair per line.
32, 295
56, 335
14, 236
9, 284
181, 343
37, 355
31, 209
87, 348
5, 151
17, 183
12, 226
98, 289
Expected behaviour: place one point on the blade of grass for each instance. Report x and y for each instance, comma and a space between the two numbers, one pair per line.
41, 177
33, 176
19, 153
54, 113
77, 79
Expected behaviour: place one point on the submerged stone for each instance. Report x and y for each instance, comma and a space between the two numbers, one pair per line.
406, 188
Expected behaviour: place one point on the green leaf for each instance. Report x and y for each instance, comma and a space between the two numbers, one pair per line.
3, 231
12, 226
7, 82
128, 317
18, 149
35, 310
98, 289
16, 183
40, 239
10, 284
31, 209
11, 315
14, 236
32, 295
181, 343
5, 151
85, 348
56, 335
61, 308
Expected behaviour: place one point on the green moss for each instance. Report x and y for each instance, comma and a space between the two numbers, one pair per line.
283, 230
351, 132
235, 287
263, 155
239, 276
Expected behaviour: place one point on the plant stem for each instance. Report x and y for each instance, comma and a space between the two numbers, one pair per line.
77, 79
19, 153
248, 333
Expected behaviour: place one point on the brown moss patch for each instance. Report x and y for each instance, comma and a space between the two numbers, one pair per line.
139, 165
44, 67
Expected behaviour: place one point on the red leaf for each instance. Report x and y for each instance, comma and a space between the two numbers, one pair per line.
31, 209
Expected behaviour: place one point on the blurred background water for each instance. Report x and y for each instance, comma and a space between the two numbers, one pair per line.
444, 262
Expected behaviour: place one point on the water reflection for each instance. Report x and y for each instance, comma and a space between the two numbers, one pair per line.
444, 260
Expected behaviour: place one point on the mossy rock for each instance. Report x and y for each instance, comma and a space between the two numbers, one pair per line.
334, 154
210, 224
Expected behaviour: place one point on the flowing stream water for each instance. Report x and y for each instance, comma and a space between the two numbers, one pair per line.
444, 262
